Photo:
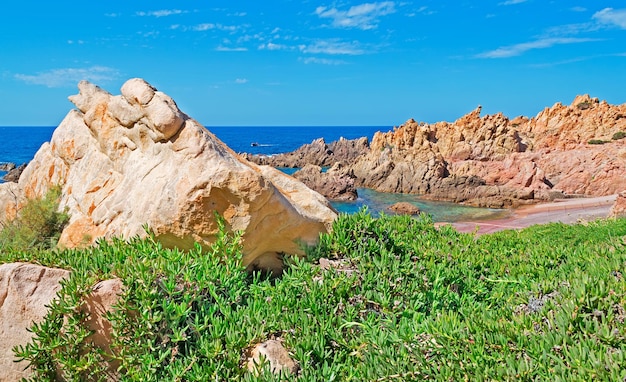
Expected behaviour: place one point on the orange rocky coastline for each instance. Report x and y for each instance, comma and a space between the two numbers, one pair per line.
494, 161
565, 151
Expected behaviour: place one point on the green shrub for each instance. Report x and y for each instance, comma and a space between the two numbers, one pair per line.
619, 135
38, 224
597, 142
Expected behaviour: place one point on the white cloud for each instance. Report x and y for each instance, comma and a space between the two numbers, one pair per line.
611, 16
518, 49
512, 2
203, 27
332, 47
272, 46
70, 76
241, 81
210, 26
161, 13
364, 16
421, 10
572, 29
322, 61
222, 48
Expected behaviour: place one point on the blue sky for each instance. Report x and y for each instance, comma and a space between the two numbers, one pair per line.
314, 62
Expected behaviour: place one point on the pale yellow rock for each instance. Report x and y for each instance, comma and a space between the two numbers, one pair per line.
274, 353
25, 292
135, 159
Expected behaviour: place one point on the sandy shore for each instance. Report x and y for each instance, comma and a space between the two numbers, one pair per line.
563, 210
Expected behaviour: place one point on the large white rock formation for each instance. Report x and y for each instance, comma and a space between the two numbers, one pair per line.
135, 159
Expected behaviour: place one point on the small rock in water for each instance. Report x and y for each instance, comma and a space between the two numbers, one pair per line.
405, 208
6, 166
13, 175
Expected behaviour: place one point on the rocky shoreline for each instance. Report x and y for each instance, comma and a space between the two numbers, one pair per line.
566, 151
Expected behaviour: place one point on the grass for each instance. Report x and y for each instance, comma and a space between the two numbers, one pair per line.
404, 301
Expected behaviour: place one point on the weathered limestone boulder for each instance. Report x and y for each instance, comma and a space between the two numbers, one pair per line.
26, 291
135, 159
334, 184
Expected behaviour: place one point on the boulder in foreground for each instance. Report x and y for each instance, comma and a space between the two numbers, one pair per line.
26, 292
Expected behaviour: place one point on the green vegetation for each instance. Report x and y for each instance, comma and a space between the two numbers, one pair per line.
405, 301
597, 142
619, 135
38, 224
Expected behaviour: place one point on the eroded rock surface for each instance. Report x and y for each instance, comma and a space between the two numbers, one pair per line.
334, 184
494, 161
404, 208
619, 208
318, 153
135, 159
13, 175
25, 292
491, 161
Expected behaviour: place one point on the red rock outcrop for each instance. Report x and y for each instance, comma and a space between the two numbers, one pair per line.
493, 161
334, 184
318, 153
404, 208
619, 208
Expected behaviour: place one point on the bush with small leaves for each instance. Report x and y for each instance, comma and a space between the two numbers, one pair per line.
619, 135
38, 224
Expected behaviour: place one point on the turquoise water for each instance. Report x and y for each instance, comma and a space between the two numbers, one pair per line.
378, 202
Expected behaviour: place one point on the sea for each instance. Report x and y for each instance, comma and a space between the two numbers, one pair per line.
20, 143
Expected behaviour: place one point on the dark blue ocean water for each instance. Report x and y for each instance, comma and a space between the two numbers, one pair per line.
21, 143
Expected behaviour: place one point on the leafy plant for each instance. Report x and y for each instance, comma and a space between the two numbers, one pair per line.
38, 223
597, 142
400, 300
